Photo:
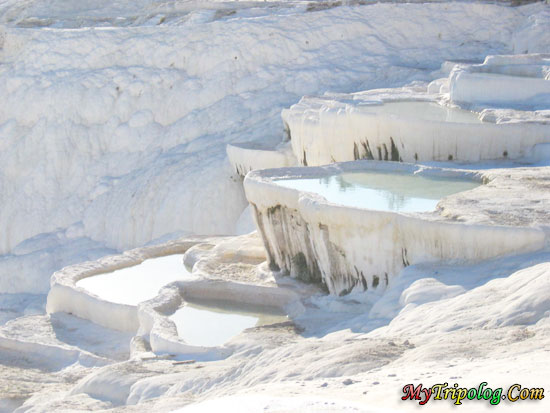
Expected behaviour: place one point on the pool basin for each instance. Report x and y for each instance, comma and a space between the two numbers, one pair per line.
363, 244
325, 130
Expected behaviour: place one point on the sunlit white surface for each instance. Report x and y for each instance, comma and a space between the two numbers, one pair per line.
133, 285
382, 191
426, 111
214, 324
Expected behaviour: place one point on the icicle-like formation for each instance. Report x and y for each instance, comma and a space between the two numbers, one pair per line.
345, 248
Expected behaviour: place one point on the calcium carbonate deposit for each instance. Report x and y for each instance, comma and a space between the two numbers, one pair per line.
274, 206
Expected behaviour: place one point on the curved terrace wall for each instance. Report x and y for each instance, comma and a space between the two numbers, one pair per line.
348, 248
323, 133
162, 332
247, 157
66, 296
149, 320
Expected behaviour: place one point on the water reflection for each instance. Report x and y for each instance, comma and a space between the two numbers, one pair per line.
212, 323
133, 285
384, 191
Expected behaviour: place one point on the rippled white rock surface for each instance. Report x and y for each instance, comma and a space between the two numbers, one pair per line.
114, 119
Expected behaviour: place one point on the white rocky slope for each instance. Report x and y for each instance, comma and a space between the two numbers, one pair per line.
117, 134
86, 169
435, 324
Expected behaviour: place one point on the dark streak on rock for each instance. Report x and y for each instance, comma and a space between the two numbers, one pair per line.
394, 151
404, 257
355, 151
365, 153
287, 135
368, 152
299, 266
288, 240
270, 258
361, 277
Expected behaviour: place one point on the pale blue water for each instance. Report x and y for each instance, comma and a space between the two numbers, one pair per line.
381, 191
214, 323
133, 285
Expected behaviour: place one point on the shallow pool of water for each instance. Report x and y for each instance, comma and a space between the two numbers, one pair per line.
426, 111
382, 191
212, 324
133, 285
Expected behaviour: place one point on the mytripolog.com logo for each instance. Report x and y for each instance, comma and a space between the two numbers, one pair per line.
461, 394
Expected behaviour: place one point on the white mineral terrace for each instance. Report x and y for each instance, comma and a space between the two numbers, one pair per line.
186, 317
247, 157
326, 130
349, 247
153, 296
504, 81
152, 259
107, 291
